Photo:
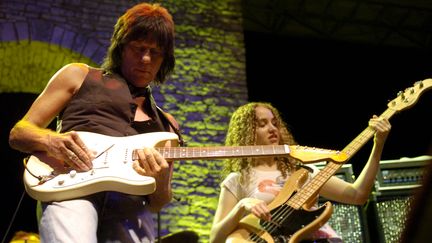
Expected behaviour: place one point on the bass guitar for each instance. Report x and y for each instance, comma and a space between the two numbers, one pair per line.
47, 179
292, 218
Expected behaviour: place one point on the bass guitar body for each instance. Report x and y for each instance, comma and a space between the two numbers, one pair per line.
288, 223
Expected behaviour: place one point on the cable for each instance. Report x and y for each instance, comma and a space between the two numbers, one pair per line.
13, 217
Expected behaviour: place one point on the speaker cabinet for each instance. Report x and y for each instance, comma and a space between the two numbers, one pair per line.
394, 188
349, 221
388, 217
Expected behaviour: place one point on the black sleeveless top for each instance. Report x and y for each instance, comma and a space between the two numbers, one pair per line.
104, 105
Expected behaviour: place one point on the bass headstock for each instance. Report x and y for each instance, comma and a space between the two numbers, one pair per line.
406, 99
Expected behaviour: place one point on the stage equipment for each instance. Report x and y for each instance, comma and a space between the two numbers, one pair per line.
349, 221
395, 184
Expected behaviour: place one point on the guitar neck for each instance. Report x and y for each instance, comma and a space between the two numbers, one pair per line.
186, 153
302, 153
364, 136
314, 185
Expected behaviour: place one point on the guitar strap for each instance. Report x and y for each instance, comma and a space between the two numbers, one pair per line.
158, 114
182, 142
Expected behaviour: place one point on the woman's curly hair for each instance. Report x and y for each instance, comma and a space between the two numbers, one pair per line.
242, 132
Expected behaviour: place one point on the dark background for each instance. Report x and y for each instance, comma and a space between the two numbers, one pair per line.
328, 90
24, 215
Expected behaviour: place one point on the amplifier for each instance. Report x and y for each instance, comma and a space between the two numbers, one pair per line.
349, 221
400, 175
394, 187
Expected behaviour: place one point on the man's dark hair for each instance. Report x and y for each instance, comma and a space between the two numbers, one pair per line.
143, 22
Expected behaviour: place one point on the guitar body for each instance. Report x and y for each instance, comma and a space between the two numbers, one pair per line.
292, 225
294, 228
112, 170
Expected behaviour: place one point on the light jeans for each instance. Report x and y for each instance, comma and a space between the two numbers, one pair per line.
108, 217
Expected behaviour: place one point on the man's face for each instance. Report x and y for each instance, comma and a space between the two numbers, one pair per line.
141, 60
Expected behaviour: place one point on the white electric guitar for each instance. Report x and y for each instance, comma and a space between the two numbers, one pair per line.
47, 179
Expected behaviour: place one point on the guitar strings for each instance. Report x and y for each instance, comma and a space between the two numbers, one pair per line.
278, 217
285, 210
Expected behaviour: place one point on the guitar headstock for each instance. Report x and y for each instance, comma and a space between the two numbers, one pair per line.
312, 154
410, 96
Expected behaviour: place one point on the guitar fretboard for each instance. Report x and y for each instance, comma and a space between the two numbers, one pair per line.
185, 153
312, 188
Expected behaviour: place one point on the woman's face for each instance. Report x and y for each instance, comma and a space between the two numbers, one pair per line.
267, 127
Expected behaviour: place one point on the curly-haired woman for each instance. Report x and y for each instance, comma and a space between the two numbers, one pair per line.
250, 184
